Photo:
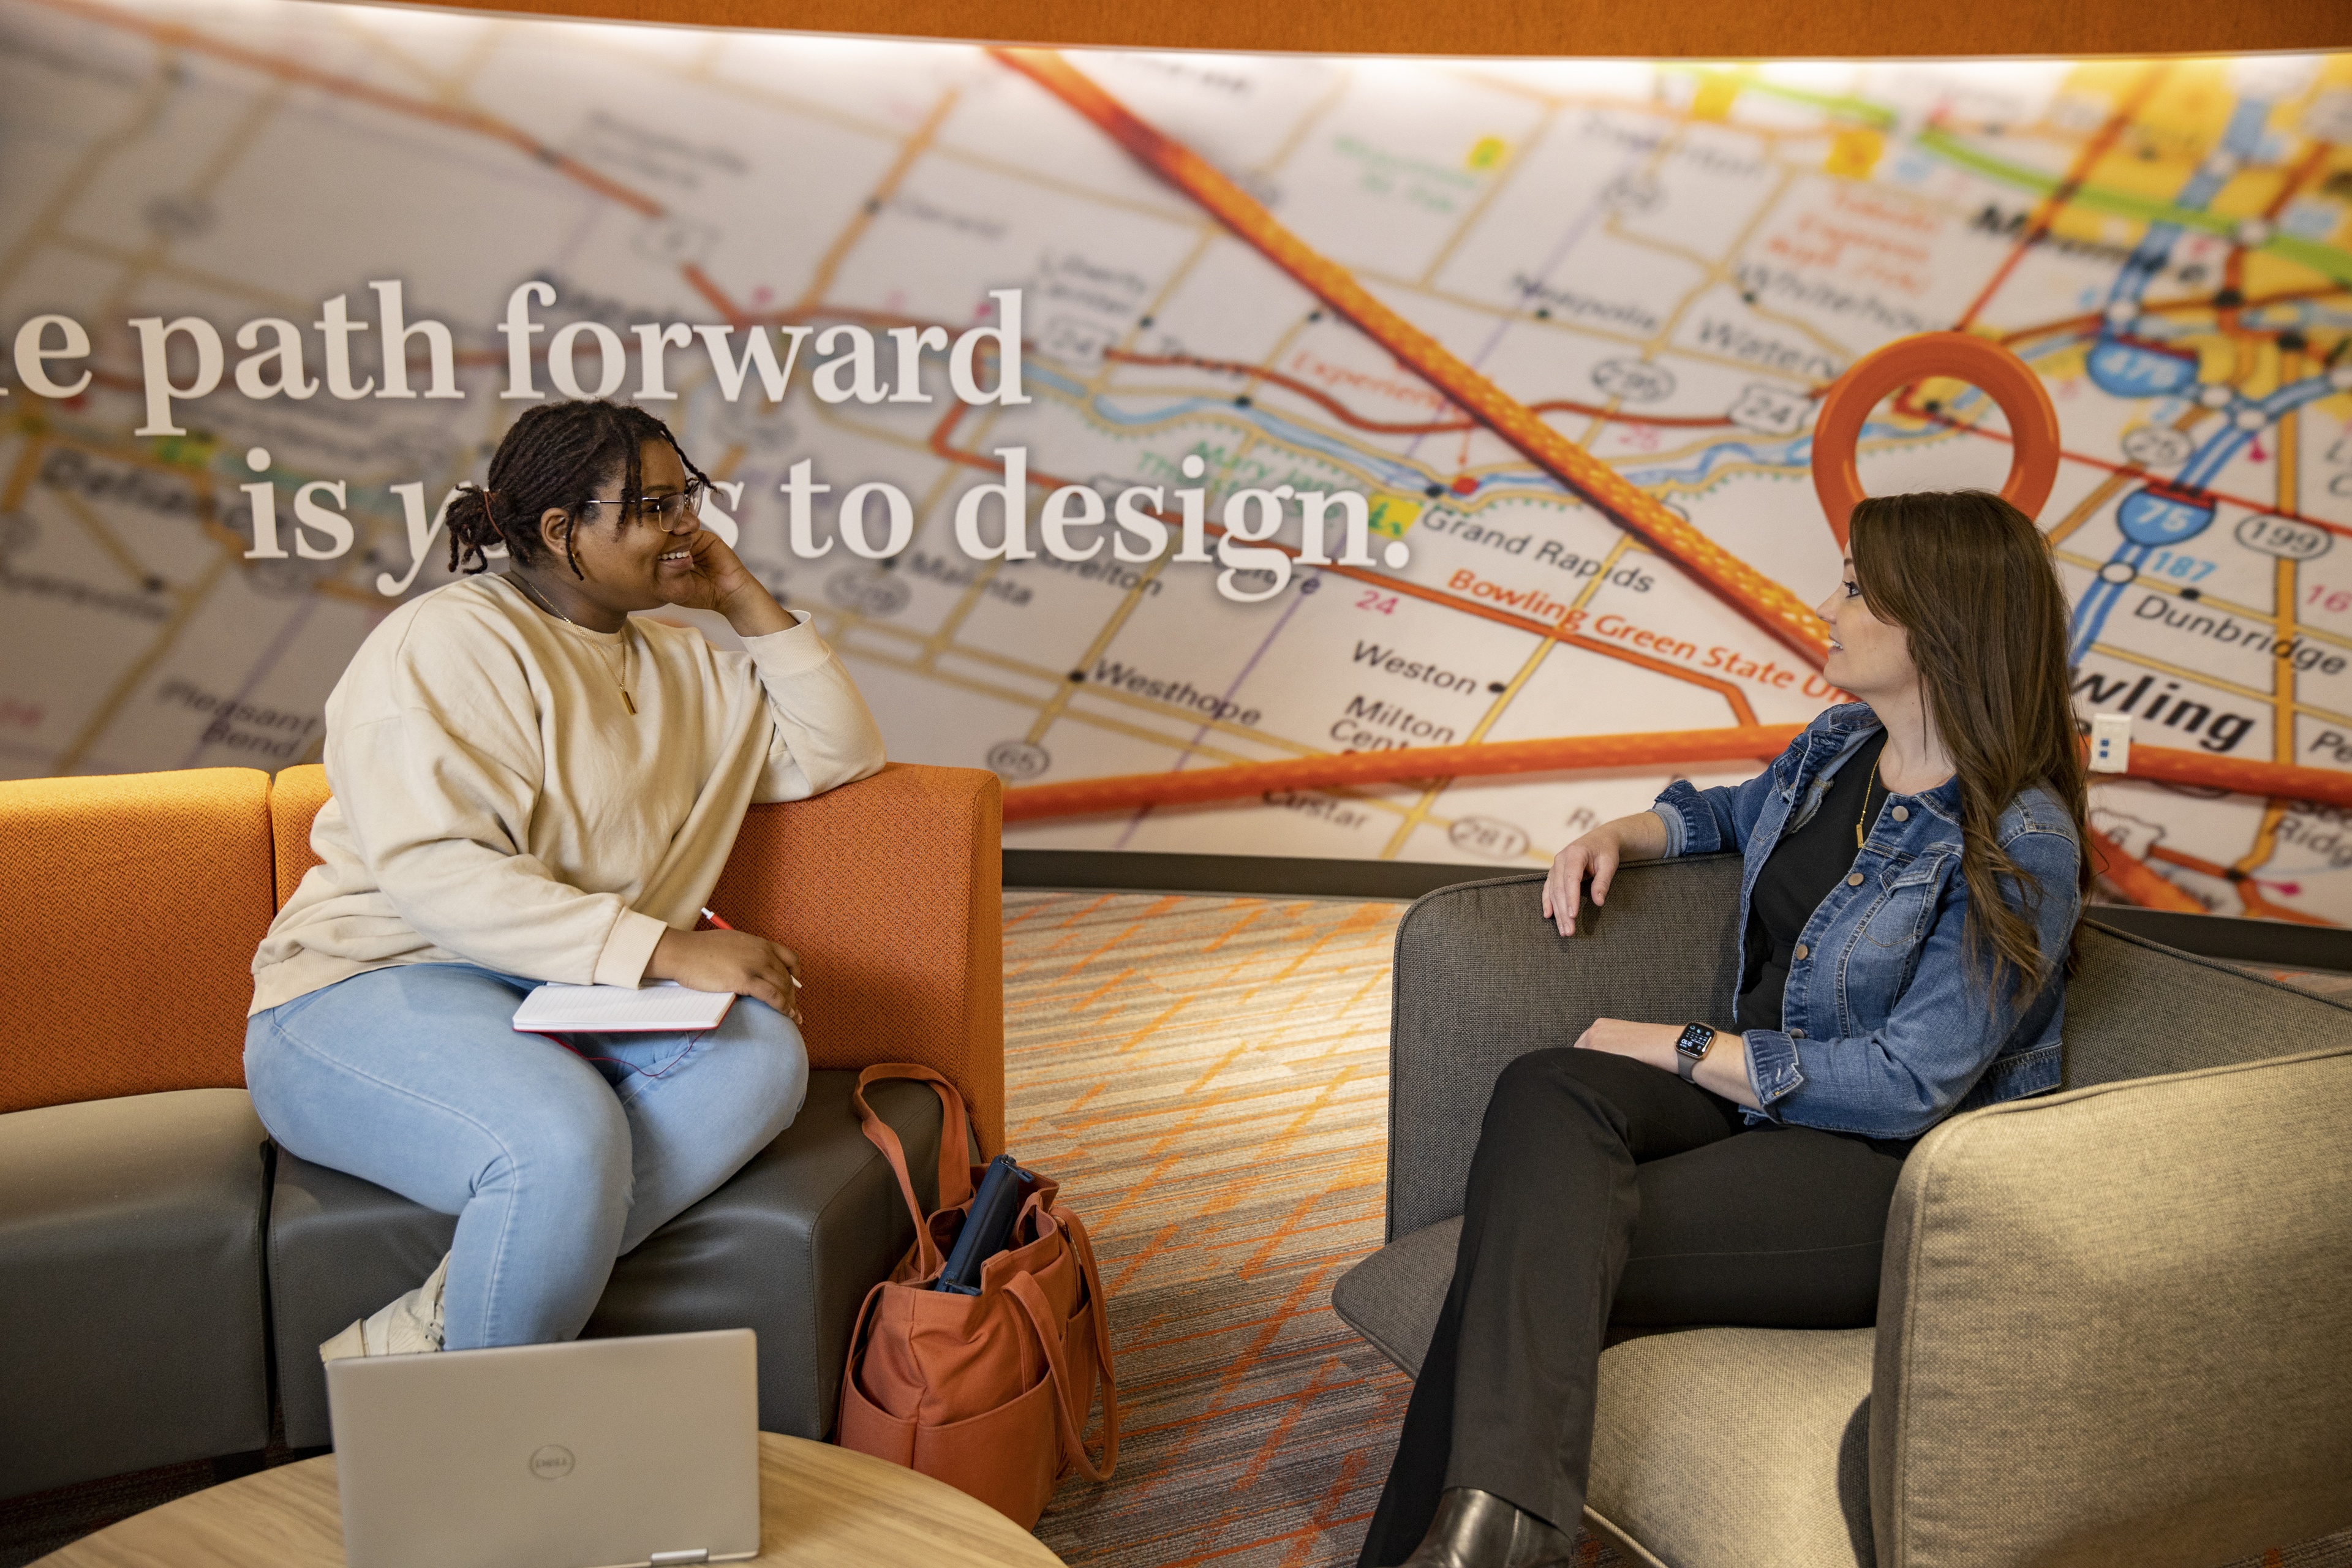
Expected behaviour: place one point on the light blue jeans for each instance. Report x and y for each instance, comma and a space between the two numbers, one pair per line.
555, 1160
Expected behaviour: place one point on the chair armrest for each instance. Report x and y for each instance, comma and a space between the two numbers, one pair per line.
892, 891
1481, 978
2112, 1325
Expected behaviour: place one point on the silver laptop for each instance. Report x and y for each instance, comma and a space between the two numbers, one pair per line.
596, 1454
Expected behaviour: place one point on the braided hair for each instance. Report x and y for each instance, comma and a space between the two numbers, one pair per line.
554, 458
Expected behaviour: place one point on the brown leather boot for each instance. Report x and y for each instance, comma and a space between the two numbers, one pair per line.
1478, 1529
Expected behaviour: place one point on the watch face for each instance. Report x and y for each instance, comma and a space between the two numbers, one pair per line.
1694, 1039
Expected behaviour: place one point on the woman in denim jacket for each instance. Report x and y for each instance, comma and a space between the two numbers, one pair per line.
1913, 873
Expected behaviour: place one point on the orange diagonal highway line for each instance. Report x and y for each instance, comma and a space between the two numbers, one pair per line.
2135, 880
1566, 754
1772, 606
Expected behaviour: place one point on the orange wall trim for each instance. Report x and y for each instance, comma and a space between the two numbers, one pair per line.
1711, 29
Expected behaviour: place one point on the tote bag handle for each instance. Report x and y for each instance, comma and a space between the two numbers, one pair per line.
955, 1167
1071, 1403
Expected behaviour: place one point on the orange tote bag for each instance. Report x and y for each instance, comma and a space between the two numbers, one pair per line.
991, 1393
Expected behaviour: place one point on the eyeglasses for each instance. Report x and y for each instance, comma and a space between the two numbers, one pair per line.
664, 510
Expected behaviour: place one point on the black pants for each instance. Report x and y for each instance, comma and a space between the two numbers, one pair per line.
1605, 1191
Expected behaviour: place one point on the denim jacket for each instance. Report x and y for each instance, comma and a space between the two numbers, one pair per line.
1887, 1026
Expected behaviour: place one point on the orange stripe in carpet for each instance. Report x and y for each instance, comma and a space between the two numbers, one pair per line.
1226, 1145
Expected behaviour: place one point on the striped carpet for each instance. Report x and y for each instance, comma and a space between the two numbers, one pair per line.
1207, 1077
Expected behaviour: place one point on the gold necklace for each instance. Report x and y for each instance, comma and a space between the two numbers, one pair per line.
620, 680
1865, 801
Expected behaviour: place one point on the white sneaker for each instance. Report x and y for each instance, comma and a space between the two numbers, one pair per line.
407, 1326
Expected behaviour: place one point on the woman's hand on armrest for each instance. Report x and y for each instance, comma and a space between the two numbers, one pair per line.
1596, 855
731, 960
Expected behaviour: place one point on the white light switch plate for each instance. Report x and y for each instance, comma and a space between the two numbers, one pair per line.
2110, 743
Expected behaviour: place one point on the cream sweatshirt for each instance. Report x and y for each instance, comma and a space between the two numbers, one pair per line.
495, 803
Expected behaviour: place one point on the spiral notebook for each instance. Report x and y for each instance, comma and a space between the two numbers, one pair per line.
662, 1007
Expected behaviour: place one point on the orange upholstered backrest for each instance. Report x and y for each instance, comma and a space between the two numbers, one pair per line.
127, 928
892, 892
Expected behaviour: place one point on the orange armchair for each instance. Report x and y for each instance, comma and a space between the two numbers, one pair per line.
144, 1219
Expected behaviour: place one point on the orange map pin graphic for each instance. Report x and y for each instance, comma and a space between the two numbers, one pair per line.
1982, 364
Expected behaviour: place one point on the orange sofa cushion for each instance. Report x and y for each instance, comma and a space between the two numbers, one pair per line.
891, 890
133, 905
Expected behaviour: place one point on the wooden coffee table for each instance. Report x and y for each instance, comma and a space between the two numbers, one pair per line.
820, 1507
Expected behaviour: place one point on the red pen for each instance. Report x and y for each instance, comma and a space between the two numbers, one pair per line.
723, 925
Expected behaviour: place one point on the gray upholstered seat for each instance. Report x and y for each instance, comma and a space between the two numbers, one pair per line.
2112, 1321
130, 1289
788, 1248
1793, 1404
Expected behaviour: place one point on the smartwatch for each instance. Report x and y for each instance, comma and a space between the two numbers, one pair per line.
1690, 1046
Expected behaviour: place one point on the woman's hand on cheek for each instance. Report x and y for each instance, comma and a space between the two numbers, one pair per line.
1651, 1043
705, 578
715, 578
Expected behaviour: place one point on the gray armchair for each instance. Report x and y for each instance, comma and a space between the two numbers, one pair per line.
2114, 1323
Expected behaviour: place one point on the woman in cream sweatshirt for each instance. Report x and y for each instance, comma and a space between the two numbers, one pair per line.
531, 786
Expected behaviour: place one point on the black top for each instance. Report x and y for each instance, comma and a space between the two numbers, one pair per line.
1803, 868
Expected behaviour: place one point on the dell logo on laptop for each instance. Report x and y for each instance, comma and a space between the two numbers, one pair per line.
552, 1463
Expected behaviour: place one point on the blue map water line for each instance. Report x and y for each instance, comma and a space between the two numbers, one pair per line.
2239, 141
2166, 515
1793, 453
2152, 518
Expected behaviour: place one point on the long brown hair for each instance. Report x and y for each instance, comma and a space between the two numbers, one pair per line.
1969, 580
